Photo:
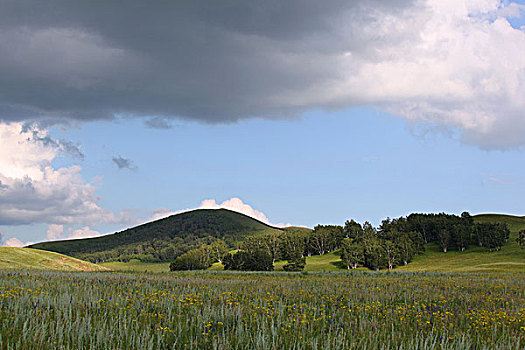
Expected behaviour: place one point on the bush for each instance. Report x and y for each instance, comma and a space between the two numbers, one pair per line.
259, 260
296, 264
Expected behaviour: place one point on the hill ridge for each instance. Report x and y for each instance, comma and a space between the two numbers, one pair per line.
163, 239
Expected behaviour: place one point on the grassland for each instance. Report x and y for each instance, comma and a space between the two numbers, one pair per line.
135, 265
218, 310
32, 259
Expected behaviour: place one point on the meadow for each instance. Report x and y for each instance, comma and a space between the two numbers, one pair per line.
225, 310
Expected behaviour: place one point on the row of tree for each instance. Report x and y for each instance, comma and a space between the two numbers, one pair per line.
449, 231
395, 242
376, 249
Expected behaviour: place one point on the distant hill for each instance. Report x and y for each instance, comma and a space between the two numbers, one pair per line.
33, 259
164, 239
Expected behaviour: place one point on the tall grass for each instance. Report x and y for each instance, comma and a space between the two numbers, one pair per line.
207, 310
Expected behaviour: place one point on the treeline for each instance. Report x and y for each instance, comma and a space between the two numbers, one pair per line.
292, 245
395, 242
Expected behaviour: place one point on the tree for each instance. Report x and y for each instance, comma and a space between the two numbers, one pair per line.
352, 253
217, 250
293, 244
444, 239
467, 217
322, 239
272, 244
374, 254
196, 259
521, 239
258, 260
353, 230
461, 236
391, 253
406, 247
295, 264
491, 235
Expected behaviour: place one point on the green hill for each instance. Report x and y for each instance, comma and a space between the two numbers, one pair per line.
163, 240
33, 259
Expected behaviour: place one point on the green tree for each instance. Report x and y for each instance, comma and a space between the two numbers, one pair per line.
406, 247
293, 244
521, 238
196, 259
295, 264
491, 235
461, 236
258, 260
352, 253
217, 250
326, 238
391, 251
272, 244
444, 239
374, 253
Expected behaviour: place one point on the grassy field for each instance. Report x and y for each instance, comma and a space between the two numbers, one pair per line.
30, 259
218, 310
135, 265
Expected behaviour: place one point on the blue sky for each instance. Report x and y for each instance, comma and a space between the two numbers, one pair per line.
325, 167
356, 113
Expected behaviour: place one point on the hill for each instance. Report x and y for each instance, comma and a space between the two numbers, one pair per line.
33, 259
163, 240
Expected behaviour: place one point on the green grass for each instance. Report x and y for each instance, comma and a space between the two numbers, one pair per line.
135, 265
256, 311
32, 259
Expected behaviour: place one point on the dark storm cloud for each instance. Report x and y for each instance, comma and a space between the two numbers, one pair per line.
124, 163
212, 61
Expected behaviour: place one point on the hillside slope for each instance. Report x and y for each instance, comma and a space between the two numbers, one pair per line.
511, 258
164, 239
33, 259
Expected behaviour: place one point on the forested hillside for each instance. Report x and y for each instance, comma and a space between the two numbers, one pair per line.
165, 239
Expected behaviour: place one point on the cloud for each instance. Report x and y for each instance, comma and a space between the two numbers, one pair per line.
158, 123
57, 232
234, 204
32, 191
457, 63
500, 181
12, 242
124, 163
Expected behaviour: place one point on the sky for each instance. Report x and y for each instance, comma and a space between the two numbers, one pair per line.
295, 113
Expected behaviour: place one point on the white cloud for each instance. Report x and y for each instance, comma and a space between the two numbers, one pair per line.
84, 232
465, 68
235, 204
32, 191
15, 242
56, 232
12, 242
